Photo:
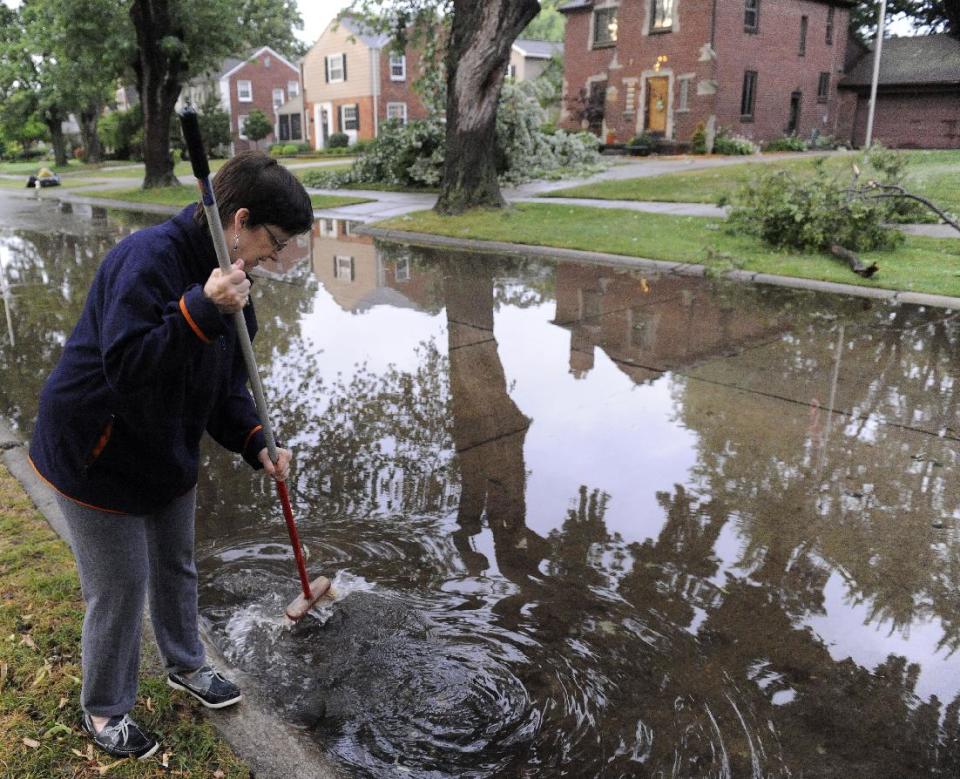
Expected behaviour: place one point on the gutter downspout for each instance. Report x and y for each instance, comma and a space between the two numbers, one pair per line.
375, 89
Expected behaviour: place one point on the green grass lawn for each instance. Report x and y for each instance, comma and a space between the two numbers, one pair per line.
921, 264
184, 195
73, 166
40, 617
934, 174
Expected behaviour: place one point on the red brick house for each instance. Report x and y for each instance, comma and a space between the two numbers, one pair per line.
353, 82
918, 94
264, 80
758, 68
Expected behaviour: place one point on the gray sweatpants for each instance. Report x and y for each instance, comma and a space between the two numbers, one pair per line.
121, 559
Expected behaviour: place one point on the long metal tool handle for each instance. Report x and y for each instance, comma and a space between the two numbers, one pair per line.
201, 171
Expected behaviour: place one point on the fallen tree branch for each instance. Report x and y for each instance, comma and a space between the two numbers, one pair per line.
854, 261
888, 191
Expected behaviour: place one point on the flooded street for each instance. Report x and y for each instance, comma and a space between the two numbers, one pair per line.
582, 521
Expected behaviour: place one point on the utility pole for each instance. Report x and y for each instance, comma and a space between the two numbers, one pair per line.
876, 73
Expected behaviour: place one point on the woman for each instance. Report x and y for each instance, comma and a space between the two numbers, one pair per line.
153, 363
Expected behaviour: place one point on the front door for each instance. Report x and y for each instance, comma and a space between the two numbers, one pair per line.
656, 109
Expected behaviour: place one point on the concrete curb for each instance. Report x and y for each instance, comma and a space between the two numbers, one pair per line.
676, 268
273, 749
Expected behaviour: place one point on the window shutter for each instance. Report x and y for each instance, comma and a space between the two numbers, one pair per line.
343, 59
326, 70
356, 122
353, 270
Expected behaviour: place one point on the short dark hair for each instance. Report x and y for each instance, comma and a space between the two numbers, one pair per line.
257, 182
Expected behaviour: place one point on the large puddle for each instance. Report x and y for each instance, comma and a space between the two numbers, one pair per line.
583, 521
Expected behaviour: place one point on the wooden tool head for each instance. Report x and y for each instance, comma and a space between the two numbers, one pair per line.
298, 608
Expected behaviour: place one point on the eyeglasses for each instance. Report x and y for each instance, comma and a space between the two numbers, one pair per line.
278, 246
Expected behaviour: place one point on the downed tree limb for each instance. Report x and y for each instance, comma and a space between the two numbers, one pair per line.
876, 191
854, 261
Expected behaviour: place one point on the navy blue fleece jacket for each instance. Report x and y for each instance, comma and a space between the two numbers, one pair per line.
150, 366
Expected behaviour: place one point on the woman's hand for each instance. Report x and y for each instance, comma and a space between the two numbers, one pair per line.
229, 291
281, 469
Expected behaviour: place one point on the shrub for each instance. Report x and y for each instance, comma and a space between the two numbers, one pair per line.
643, 144
412, 155
698, 141
338, 141
787, 143
289, 149
725, 143
809, 213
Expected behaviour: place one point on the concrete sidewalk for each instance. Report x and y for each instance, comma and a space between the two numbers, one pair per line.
272, 748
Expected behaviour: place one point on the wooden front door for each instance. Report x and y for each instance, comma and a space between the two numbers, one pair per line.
657, 96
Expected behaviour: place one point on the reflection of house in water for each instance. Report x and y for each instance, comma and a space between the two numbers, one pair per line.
293, 254
359, 275
648, 325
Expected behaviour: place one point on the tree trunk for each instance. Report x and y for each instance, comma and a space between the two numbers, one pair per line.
54, 123
854, 261
159, 75
477, 59
88, 131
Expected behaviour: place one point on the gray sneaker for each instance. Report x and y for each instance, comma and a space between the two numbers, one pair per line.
207, 686
121, 737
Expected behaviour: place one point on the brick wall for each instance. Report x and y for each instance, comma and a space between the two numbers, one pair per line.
400, 91
264, 79
910, 120
714, 78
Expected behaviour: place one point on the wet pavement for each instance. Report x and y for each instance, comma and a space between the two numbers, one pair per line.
583, 520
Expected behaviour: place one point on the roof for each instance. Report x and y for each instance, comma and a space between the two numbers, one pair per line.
542, 50
228, 70
921, 59
573, 5
369, 38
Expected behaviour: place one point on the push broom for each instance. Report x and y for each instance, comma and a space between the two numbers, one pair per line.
312, 591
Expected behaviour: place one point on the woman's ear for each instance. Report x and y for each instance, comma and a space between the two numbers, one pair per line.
239, 220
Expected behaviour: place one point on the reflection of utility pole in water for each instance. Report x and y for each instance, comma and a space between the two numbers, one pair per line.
7, 295
824, 437
488, 429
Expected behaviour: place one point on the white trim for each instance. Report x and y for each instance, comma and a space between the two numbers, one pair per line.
343, 60
403, 66
255, 55
593, 15
240, 97
241, 122
687, 78
394, 105
273, 97
295, 92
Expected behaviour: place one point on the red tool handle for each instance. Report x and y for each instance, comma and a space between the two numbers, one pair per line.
294, 538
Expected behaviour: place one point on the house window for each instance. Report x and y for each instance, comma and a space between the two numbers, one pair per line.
662, 16
403, 270
293, 88
266, 62
242, 125
343, 268
278, 97
397, 112
823, 88
751, 15
683, 100
748, 97
604, 27
245, 91
348, 118
296, 133
512, 72
336, 67
328, 227
803, 36
830, 26
284, 127
398, 67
